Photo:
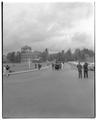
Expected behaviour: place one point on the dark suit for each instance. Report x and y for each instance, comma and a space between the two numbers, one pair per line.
79, 66
85, 67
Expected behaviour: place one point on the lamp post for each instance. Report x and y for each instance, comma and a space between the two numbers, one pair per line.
29, 62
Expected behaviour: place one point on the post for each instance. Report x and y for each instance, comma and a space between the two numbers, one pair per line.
29, 63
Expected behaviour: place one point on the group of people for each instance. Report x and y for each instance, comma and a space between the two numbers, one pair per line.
38, 66
57, 66
83, 68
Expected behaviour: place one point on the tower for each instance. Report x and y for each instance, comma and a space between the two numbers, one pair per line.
26, 54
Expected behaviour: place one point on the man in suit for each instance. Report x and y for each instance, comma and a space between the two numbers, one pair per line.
85, 67
79, 67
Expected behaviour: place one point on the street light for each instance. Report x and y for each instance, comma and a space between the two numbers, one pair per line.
29, 62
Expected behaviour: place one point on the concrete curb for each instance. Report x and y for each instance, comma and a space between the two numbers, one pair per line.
19, 72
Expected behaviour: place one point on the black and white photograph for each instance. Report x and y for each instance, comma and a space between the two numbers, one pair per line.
48, 60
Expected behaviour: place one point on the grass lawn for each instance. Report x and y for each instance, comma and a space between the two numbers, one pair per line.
22, 66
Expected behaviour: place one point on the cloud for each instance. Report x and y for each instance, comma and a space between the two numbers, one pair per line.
82, 40
46, 24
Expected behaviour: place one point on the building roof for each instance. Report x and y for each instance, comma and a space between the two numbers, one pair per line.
26, 47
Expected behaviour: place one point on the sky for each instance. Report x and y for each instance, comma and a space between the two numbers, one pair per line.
56, 26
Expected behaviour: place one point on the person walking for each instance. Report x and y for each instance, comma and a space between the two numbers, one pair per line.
62, 65
39, 66
4, 70
35, 65
7, 70
85, 67
79, 67
53, 66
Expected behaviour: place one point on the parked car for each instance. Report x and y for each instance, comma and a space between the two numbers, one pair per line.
91, 66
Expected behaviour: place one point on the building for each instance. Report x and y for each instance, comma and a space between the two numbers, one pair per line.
26, 54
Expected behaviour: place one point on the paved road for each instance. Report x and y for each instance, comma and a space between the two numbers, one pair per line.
48, 93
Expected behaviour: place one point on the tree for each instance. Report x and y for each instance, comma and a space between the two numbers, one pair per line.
14, 57
11, 56
77, 54
45, 55
88, 52
68, 55
82, 54
18, 57
62, 56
